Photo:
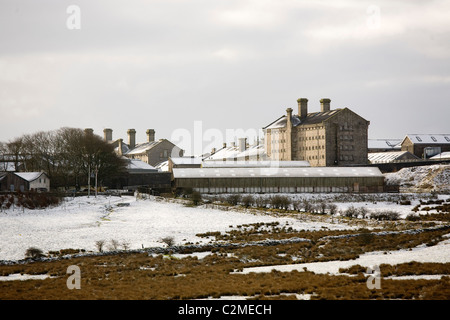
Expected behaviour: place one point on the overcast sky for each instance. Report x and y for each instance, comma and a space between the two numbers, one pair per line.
231, 64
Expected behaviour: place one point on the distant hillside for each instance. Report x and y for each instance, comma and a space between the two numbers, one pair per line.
422, 179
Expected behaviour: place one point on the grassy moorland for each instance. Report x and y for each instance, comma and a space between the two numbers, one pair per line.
213, 271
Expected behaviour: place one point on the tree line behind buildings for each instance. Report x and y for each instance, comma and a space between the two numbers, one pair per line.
67, 155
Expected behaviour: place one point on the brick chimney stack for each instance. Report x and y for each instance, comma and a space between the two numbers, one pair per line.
150, 135
119, 151
302, 108
107, 135
289, 117
131, 138
325, 105
242, 144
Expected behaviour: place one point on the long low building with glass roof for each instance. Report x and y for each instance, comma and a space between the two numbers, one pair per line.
279, 179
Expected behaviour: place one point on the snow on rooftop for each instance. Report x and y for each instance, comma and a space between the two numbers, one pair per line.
124, 150
232, 152
276, 172
163, 166
224, 153
429, 138
441, 156
138, 164
143, 147
254, 164
379, 157
313, 117
29, 176
186, 160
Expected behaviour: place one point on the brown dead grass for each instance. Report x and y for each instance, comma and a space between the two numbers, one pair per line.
405, 269
140, 276
103, 278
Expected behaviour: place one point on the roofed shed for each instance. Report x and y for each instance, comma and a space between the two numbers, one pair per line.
26, 181
280, 180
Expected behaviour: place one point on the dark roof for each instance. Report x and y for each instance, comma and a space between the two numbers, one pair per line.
311, 118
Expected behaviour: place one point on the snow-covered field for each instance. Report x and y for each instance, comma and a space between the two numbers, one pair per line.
376, 202
79, 222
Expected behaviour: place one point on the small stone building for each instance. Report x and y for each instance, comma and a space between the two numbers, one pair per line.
25, 181
327, 138
152, 151
426, 145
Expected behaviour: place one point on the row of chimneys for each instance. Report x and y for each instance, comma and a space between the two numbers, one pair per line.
131, 136
242, 145
302, 113
303, 107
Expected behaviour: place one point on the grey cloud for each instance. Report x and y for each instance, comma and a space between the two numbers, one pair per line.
232, 64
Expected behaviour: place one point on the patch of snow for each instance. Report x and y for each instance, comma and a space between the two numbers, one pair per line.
439, 253
23, 277
418, 277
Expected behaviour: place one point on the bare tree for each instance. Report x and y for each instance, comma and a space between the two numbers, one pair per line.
169, 241
15, 150
114, 244
332, 208
33, 253
99, 244
66, 155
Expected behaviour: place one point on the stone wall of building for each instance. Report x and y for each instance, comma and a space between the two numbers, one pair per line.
346, 139
341, 139
309, 144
